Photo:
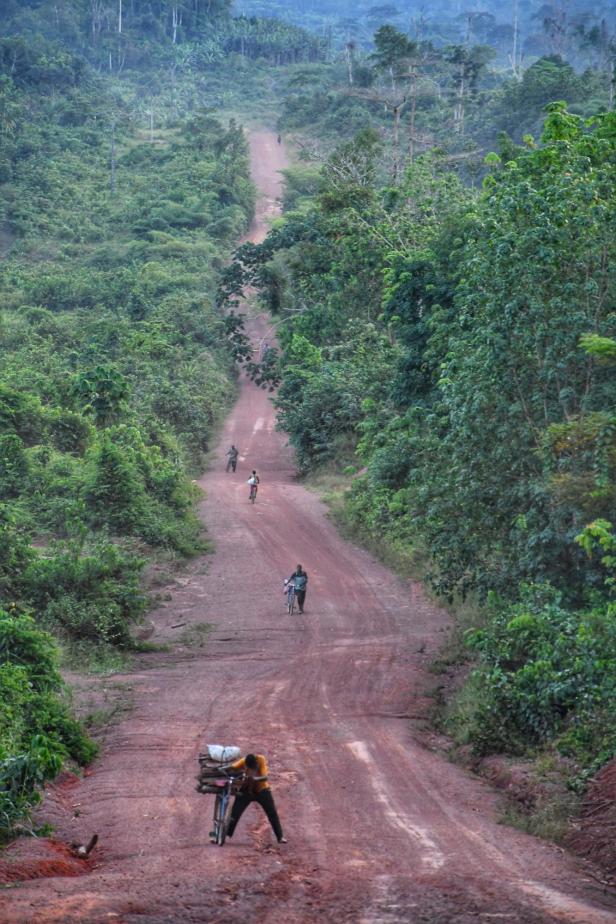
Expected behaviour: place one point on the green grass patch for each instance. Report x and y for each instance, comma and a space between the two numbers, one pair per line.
113, 703
196, 636
94, 658
335, 483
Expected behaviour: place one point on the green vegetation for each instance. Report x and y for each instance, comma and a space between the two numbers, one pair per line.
544, 673
37, 732
529, 28
456, 94
461, 342
115, 366
115, 363
121, 197
445, 322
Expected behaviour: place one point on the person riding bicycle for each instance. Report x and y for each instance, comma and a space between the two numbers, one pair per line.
299, 578
233, 453
253, 481
255, 788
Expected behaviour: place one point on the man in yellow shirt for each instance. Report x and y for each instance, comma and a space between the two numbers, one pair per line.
254, 789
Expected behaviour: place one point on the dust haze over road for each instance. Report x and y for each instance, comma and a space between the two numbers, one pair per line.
380, 828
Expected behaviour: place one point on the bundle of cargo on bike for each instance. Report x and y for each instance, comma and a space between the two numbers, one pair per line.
215, 784
212, 762
217, 755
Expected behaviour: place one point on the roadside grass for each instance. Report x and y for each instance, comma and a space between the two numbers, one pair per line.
112, 704
332, 483
159, 576
551, 822
553, 813
143, 646
86, 657
195, 636
467, 613
94, 658
26, 828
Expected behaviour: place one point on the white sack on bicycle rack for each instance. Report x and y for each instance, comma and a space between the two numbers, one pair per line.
222, 753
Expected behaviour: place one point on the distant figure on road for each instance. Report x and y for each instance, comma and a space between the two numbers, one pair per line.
253, 481
299, 579
255, 788
233, 453
279, 139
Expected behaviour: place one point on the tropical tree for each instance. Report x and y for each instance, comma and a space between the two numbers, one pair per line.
534, 277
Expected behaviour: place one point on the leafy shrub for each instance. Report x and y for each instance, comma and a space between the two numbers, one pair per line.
37, 732
15, 554
133, 489
102, 392
114, 491
322, 397
543, 673
68, 431
20, 413
87, 595
53, 490
13, 465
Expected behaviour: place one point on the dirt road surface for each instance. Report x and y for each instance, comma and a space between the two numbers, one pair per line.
380, 829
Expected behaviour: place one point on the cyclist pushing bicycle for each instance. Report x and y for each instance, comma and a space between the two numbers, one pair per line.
254, 788
299, 582
253, 481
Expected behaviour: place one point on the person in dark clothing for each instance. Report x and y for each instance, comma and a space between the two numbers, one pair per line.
300, 582
233, 453
254, 789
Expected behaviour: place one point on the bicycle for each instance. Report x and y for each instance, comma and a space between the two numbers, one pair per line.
222, 810
224, 789
290, 590
253, 493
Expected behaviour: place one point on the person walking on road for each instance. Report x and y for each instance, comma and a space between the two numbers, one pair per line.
255, 788
299, 579
233, 453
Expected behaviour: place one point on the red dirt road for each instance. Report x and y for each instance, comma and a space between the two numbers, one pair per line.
380, 828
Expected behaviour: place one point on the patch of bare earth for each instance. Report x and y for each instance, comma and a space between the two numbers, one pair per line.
595, 836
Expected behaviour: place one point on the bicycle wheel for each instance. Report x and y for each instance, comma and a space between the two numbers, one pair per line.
218, 817
291, 604
225, 811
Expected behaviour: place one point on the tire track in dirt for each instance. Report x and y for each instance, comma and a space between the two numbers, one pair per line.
380, 829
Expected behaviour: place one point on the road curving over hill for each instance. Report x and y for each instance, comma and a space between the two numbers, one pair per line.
381, 829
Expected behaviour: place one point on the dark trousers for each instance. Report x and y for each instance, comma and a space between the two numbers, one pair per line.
231, 464
301, 596
265, 800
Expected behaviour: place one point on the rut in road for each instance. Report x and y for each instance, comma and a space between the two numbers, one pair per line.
380, 828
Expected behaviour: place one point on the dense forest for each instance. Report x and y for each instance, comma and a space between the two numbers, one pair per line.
450, 332
114, 369
517, 31
442, 284
461, 344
